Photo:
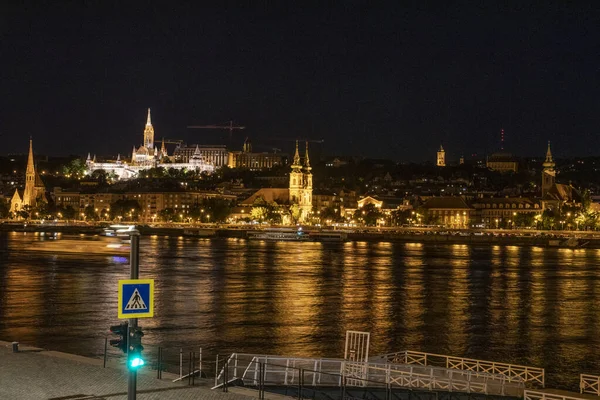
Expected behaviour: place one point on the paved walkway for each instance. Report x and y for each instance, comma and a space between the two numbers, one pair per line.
34, 374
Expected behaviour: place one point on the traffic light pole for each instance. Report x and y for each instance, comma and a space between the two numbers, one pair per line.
135, 272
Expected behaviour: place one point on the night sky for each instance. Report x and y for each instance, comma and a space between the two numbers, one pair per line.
376, 79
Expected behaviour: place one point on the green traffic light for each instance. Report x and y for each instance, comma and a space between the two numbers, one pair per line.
136, 362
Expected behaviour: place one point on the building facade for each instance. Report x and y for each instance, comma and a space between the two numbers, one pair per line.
253, 161
441, 157
301, 187
215, 155
502, 162
148, 156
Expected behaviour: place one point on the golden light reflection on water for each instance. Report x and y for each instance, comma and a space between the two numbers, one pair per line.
528, 305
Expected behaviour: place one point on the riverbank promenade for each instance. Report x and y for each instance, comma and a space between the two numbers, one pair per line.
33, 374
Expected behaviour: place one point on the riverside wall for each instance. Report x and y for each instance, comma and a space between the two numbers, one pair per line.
497, 237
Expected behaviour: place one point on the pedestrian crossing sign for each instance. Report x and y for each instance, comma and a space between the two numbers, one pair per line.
136, 298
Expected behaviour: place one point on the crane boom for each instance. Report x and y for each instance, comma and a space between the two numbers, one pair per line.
230, 127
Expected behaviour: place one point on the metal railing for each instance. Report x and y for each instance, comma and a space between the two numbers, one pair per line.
529, 375
535, 395
284, 371
589, 384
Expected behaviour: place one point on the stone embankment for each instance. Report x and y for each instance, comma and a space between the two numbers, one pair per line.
568, 239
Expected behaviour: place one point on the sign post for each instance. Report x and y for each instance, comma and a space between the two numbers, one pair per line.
136, 300
134, 274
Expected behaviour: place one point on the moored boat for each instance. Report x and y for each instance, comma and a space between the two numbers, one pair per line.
278, 234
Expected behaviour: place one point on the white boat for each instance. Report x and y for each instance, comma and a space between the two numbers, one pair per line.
279, 234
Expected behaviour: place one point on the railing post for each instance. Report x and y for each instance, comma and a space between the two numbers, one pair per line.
105, 346
226, 375
158, 364
217, 371
181, 363
193, 368
200, 362
190, 368
300, 383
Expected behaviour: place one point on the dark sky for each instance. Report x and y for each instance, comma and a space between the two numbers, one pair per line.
389, 80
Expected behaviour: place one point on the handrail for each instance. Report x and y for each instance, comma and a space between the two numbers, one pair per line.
589, 384
528, 374
337, 372
535, 395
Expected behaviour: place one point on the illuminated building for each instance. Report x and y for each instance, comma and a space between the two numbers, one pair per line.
148, 156
216, 155
301, 183
548, 172
502, 162
253, 161
34, 187
441, 157
451, 212
300, 190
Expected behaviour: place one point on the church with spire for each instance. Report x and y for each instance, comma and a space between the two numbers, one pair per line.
556, 195
147, 156
34, 187
301, 186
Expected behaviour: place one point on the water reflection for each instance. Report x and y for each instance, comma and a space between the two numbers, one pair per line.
526, 305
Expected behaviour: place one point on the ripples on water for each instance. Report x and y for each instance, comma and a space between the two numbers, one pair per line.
524, 305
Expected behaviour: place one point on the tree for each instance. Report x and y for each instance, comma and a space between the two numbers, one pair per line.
126, 209
90, 213
167, 214
401, 217
295, 213
259, 213
4, 208
369, 215
69, 213
524, 220
100, 176
75, 169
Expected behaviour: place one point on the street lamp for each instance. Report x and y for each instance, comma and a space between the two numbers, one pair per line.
496, 223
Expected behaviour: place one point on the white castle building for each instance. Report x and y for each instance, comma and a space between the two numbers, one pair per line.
148, 156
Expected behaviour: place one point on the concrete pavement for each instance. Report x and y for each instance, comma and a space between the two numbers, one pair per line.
33, 374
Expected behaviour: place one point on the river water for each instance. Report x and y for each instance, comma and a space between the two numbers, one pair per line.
526, 305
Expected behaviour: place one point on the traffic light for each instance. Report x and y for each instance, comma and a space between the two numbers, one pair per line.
121, 330
134, 357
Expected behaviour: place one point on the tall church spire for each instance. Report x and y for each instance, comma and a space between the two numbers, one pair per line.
29, 193
149, 135
549, 154
296, 163
30, 166
307, 159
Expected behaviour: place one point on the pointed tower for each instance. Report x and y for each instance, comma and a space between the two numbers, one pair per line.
29, 194
548, 172
441, 157
133, 154
163, 149
306, 201
296, 179
149, 134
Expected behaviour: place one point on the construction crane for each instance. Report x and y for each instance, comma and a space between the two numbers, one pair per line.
298, 139
230, 127
172, 141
